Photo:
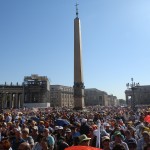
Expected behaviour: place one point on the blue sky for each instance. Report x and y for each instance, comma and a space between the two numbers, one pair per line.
36, 37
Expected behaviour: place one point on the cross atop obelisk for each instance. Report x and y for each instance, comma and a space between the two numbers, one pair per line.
78, 72
77, 10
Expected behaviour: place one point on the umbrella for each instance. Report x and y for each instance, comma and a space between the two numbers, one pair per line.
147, 119
35, 119
62, 122
82, 148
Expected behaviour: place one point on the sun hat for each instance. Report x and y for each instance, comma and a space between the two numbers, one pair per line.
146, 132
105, 138
83, 138
118, 133
35, 127
68, 130
56, 128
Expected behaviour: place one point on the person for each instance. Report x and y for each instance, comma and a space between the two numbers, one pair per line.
84, 140
129, 138
41, 127
147, 147
132, 144
62, 144
74, 131
34, 133
6, 144
49, 138
39, 144
144, 140
17, 140
24, 146
107, 128
68, 136
105, 142
85, 128
118, 146
8, 117
118, 139
76, 141
27, 137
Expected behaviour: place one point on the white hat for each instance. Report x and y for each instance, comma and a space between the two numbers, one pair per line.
60, 127
83, 120
107, 124
35, 128
56, 128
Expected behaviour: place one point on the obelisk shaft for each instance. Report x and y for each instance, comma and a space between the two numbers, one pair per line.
78, 72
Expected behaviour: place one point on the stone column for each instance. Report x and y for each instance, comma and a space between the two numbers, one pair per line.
127, 101
11, 100
21, 100
5, 100
1, 100
16, 100
12, 103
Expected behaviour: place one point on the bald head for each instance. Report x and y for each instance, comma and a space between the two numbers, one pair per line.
24, 146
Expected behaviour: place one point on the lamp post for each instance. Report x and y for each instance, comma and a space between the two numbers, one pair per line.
133, 86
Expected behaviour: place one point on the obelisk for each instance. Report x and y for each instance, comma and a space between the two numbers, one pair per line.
78, 71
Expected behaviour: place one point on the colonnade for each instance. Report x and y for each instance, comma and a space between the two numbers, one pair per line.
11, 100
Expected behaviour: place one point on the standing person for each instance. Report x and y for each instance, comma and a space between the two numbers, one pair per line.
6, 145
24, 146
84, 140
143, 141
68, 136
106, 143
34, 133
62, 144
74, 131
27, 137
147, 147
118, 139
107, 128
132, 144
118, 146
41, 127
17, 140
85, 128
49, 138
128, 137
40, 144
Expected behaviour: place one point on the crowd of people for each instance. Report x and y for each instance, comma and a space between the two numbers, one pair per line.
107, 128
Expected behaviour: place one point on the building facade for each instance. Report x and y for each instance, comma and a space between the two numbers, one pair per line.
34, 89
11, 96
140, 94
61, 96
95, 97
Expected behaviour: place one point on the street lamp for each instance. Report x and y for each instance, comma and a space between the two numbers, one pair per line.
133, 86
